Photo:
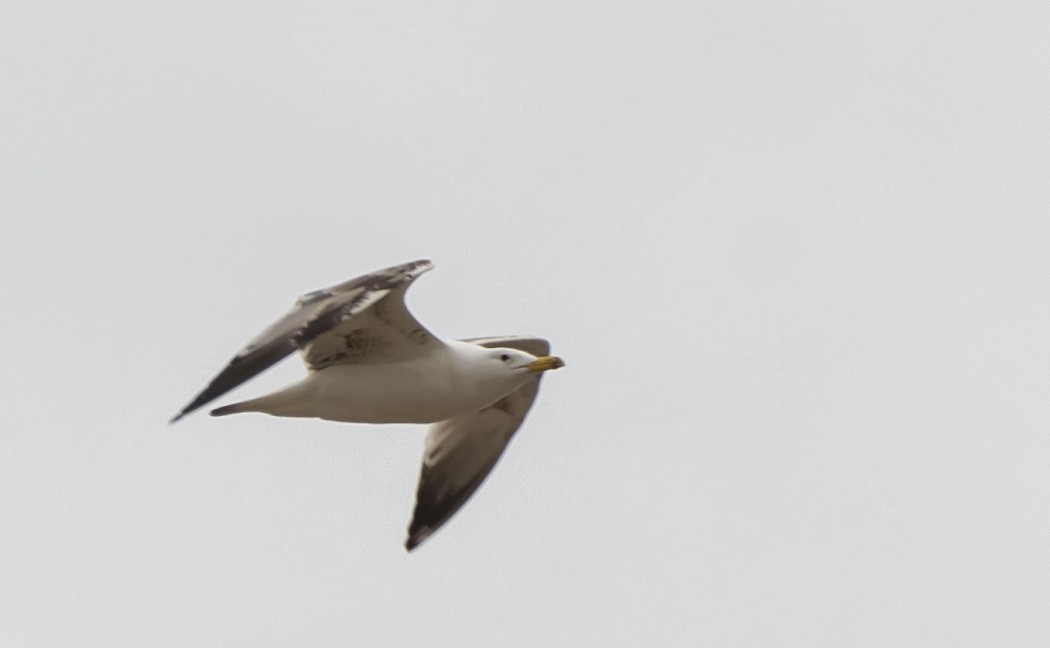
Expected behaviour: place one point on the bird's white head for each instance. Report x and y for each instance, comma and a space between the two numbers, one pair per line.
521, 362
505, 369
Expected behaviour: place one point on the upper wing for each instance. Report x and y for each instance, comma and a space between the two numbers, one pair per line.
360, 320
460, 452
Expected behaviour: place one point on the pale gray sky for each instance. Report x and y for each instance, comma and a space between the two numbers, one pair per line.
796, 258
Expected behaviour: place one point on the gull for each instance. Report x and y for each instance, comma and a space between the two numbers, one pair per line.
370, 361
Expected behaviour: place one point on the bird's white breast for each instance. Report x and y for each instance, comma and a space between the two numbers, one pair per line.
433, 388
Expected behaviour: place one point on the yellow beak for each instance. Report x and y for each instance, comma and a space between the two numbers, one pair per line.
545, 363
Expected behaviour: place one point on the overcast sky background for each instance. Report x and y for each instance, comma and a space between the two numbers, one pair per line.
795, 256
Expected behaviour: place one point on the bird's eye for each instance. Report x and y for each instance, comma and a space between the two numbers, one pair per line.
504, 357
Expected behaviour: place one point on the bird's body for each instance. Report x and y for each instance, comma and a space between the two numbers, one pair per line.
448, 381
370, 361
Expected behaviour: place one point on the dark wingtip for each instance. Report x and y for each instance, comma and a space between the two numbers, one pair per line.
414, 540
190, 408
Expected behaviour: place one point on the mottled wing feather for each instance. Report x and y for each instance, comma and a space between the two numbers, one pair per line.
374, 328
318, 325
462, 451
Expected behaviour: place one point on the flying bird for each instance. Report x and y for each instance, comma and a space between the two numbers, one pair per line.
370, 361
